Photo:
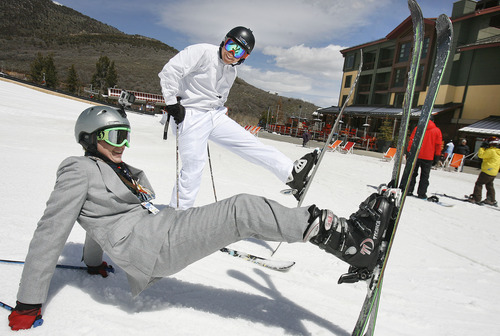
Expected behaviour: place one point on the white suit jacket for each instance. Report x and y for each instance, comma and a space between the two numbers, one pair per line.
199, 77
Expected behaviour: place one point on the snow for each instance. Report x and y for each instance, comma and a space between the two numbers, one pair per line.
442, 277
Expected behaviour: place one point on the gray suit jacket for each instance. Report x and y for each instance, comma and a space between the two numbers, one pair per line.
91, 193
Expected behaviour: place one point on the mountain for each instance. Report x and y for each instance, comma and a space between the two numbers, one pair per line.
29, 27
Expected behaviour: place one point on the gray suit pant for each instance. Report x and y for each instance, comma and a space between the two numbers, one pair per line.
198, 232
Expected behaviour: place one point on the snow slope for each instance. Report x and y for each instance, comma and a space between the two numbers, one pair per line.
442, 278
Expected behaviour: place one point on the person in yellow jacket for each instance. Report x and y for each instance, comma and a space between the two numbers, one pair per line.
490, 154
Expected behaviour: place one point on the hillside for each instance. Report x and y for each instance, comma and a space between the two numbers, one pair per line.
29, 27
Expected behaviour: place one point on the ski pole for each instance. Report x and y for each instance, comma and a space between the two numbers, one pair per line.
37, 323
165, 129
177, 164
84, 268
211, 172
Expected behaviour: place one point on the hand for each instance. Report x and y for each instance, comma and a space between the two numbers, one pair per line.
101, 270
177, 111
485, 144
436, 160
24, 315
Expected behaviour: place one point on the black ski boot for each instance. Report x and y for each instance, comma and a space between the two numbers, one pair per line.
355, 240
300, 172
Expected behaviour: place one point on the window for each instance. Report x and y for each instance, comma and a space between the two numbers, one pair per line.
349, 61
348, 80
344, 98
399, 77
404, 52
419, 75
425, 47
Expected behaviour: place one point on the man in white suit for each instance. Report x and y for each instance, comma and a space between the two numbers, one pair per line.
112, 201
195, 84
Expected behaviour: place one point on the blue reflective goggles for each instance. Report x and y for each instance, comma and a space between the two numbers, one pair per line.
234, 48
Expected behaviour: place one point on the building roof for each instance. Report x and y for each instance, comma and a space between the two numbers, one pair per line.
383, 111
490, 125
490, 42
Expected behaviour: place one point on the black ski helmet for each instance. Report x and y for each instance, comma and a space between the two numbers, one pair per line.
94, 119
244, 37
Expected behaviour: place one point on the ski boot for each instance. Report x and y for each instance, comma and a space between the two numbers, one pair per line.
300, 173
355, 240
490, 202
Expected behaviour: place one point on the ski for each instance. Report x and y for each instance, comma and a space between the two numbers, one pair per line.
276, 265
334, 130
84, 268
300, 196
418, 39
433, 199
37, 323
368, 315
466, 199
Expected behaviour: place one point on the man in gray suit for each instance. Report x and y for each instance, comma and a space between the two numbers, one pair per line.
112, 201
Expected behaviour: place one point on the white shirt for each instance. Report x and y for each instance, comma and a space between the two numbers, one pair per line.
199, 76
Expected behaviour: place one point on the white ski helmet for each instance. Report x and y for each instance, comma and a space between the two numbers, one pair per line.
94, 119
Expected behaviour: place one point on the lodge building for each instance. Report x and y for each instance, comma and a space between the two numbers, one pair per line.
468, 101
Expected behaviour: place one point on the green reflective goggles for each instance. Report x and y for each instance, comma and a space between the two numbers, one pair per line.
117, 136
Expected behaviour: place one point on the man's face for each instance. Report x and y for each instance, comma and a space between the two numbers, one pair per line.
111, 152
232, 52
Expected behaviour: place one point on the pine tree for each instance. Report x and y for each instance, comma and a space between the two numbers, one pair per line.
51, 79
105, 75
72, 79
36, 72
43, 71
112, 76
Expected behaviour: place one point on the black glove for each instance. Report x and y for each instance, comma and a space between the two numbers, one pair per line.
436, 159
485, 144
101, 270
24, 315
177, 111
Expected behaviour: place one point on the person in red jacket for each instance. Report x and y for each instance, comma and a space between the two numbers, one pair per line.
427, 157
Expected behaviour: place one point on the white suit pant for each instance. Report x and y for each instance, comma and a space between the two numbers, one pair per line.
194, 133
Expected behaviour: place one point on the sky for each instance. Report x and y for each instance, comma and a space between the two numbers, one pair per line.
298, 42
441, 279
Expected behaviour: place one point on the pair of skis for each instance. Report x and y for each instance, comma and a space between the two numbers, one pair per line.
368, 315
466, 199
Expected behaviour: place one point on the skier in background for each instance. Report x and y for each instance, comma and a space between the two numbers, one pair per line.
195, 85
306, 136
428, 156
490, 154
113, 202
448, 149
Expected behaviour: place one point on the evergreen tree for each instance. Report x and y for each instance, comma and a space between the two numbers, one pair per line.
37, 70
112, 76
43, 71
105, 75
51, 79
72, 79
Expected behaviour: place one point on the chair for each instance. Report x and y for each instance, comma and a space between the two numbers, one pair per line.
389, 154
347, 147
333, 147
456, 161
254, 130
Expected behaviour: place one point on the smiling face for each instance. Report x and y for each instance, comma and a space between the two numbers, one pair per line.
228, 57
232, 52
114, 154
